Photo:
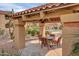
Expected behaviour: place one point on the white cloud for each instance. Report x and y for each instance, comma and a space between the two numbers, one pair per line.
9, 7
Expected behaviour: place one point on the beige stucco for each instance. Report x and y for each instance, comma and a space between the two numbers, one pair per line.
70, 33
70, 37
19, 34
3, 21
70, 17
42, 29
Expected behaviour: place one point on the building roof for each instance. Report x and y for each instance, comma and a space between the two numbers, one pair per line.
42, 7
5, 12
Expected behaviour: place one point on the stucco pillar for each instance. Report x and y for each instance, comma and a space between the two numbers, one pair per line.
70, 32
19, 32
42, 29
70, 36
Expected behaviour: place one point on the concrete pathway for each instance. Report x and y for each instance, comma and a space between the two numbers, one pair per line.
33, 48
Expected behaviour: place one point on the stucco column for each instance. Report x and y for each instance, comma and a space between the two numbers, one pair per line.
70, 32
19, 32
70, 36
42, 29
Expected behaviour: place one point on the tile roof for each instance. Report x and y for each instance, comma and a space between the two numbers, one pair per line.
42, 7
5, 12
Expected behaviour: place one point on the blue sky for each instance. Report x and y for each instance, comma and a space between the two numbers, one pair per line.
17, 6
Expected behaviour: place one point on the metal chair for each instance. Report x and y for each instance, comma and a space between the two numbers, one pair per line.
43, 41
57, 42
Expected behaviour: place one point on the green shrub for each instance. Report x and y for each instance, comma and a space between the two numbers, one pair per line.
75, 50
33, 30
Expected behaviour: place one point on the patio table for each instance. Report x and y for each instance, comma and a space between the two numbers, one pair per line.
50, 40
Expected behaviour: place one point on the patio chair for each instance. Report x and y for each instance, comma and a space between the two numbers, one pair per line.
39, 37
43, 41
57, 42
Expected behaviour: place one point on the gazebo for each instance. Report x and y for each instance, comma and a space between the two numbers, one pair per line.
64, 13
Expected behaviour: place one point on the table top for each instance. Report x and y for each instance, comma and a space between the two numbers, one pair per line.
50, 37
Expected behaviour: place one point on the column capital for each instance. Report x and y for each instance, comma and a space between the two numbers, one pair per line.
42, 24
19, 22
42, 15
23, 17
42, 29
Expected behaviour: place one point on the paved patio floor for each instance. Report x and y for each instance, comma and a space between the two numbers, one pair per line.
33, 48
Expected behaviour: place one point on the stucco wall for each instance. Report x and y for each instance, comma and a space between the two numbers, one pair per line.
70, 17
2, 21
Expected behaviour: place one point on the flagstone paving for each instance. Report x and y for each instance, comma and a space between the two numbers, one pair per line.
33, 49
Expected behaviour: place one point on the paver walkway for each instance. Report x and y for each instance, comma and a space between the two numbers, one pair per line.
33, 49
